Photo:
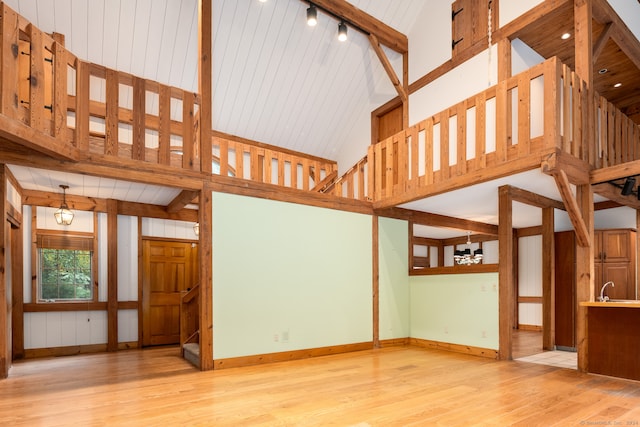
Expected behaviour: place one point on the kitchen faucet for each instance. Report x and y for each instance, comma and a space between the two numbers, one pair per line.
604, 298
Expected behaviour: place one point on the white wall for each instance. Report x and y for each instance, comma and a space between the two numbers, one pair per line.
530, 279
456, 308
393, 240
288, 277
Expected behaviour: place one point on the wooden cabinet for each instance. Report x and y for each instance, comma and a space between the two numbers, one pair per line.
615, 260
615, 254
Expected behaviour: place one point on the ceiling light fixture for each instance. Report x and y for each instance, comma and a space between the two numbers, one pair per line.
617, 85
463, 257
565, 36
603, 71
312, 15
629, 183
63, 215
342, 31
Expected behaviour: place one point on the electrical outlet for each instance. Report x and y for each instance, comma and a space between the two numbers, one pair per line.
483, 288
285, 336
495, 287
275, 338
446, 329
484, 334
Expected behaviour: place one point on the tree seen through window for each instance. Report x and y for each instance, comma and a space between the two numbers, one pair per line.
65, 274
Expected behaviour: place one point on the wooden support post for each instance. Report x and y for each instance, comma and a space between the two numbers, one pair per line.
584, 274
17, 297
505, 272
205, 218
548, 280
582, 21
204, 83
112, 275
5, 310
376, 280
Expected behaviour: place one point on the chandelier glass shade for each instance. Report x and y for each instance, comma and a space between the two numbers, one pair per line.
464, 256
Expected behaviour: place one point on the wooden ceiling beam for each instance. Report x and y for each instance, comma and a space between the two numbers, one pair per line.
533, 199
386, 64
573, 209
611, 173
437, 220
181, 200
616, 199
620, 33
599, 44
387, 35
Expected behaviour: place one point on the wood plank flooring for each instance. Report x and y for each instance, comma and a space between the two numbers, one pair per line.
392, 386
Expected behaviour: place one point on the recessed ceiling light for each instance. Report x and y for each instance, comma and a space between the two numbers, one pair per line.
617, 85
565, 36
602, 71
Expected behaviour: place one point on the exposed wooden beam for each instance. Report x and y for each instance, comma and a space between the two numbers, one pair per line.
505, 274
599, 45
620, 33
15, 131
327, 181
112, 275
102, 166
387, 35
205, 89
205, 219
533, 199
583, 40
437, 220
585, 274
93, 204
181, 200
577, 170
612, 193
573, 209
395, 81
611, 173
548, 280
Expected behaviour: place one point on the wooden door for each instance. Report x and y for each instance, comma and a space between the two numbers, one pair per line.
169, 267
565, 289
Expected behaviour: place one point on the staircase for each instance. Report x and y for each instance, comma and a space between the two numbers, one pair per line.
190, 325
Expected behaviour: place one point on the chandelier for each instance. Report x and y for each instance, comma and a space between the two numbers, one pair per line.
464, 257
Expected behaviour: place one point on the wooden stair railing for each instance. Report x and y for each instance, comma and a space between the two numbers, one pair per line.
189, 316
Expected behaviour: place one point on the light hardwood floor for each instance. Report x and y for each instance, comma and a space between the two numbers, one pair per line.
387, 387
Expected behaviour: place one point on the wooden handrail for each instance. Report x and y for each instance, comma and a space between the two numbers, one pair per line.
538, 111
190, 315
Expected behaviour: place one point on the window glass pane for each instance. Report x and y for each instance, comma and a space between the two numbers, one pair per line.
65, 274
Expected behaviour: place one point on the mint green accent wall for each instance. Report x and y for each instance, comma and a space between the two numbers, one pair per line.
393, 241
456, 308
288, 277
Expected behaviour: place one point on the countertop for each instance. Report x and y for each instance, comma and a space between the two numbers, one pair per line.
611, 304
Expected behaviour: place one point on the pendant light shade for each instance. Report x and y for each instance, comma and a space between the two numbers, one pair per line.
64, 216
312, 16
342, 31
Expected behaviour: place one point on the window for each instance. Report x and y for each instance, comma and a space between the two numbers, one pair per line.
65, 265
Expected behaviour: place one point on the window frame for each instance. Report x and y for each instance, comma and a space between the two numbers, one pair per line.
50, 239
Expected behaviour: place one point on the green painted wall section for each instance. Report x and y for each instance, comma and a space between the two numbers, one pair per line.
393, 241
288, 277
456, 308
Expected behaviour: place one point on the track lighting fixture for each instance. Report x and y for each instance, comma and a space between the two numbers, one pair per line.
342, 31
63, 215
628, 186
312, 15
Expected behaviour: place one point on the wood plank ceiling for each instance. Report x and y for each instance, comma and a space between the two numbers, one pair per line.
275, 79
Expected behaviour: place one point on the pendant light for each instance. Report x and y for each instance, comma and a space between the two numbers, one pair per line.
63, 215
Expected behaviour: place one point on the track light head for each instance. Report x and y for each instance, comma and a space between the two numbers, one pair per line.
628, 186
342, 31
312, 16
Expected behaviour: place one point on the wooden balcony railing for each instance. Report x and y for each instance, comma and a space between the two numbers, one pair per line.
99, 111
536, 112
